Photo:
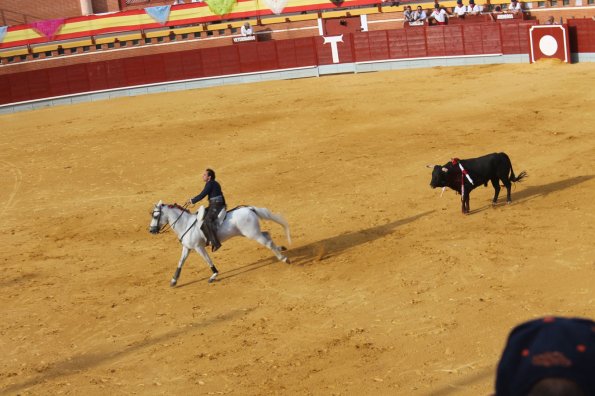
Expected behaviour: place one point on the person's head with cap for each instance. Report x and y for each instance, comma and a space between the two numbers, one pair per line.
471, 1
437, 6
549, 356
460, 2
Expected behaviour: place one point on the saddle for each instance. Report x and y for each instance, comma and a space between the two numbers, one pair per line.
200, 216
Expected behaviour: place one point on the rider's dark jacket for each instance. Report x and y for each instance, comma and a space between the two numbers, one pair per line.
213, 190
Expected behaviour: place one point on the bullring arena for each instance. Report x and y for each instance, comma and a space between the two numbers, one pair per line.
390, 290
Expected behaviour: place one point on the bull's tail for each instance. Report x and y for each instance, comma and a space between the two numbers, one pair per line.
518, 178
514, 178
266, 214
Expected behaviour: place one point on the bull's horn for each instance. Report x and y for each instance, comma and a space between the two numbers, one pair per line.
430, 166
444, 169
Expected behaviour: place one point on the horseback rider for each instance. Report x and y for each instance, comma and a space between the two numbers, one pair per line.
216, 204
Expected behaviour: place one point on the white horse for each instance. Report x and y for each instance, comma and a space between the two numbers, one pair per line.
243, 221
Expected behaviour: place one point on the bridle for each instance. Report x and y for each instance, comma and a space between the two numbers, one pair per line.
166, 227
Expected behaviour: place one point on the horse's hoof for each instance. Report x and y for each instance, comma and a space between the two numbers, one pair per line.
173, 283
282, 248
213, 277
286, 260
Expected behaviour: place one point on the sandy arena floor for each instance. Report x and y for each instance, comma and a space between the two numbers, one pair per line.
392, 291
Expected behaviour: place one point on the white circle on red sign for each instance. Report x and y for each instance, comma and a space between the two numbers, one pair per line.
548, 45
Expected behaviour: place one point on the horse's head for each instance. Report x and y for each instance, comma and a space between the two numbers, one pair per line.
156, 220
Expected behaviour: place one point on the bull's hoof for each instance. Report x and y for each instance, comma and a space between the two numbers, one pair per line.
173, 283
213, 277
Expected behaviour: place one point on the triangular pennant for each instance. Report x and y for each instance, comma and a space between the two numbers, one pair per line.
3, 30
221, 7
159, 13
49, 27
276, 6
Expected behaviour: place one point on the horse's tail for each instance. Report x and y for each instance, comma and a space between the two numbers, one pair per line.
266, 214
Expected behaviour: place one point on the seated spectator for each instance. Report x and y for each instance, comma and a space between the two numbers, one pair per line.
176, 2
420, 14
550, 21
246, 29
552, 356
473, 9
408, 14
514, 7
459, 10
438, 15
497, 9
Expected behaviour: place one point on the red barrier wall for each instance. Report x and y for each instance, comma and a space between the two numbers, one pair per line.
472, 39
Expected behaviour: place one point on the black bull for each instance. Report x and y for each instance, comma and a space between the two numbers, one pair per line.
465, 175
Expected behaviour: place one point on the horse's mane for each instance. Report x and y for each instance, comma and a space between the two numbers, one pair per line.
175, 205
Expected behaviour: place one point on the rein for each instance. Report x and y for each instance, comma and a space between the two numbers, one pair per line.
165, 227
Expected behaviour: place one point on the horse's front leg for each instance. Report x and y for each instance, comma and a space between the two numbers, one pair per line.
203, 253
185, 252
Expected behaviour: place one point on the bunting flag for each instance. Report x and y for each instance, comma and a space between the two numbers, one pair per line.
221, 7
276, 6
49, 27
3, 30
159, 13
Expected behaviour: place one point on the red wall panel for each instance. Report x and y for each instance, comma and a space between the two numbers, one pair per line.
78, 78
286, 54
37, 84
378, 45
115, 73
473, 39
435, 38
361, 47
453, 40
97, 76
154, 67
267, 55
397, 43
305, 51
192, 62
18, 87
490, 37
417, 43
248, 57
211, 62
5, 95
58, 78
230, 60
510, 38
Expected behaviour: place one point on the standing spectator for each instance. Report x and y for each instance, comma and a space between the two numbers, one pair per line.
551, 356
472, 8
439, 15
420, 14
515, 7
246, 29
459, 10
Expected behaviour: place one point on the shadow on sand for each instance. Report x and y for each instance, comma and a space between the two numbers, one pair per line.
532, 192
85, 361
322, 249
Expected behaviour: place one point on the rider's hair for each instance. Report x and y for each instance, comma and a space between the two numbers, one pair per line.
211, 173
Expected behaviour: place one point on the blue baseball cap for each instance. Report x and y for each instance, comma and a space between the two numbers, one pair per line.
550, 347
